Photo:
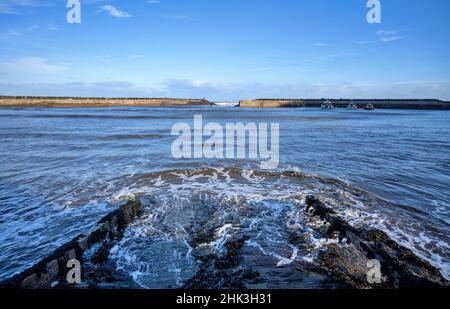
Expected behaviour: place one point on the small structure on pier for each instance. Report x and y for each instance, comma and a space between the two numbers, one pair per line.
327, 104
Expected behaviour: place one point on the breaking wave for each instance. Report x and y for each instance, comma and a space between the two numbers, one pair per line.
193, 214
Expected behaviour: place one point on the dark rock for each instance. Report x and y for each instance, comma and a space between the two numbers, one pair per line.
36, 281
127, 213
348, 266
71, 254
97, 235
53, 268
296, 238
102, 254
222, 272
347, 263
404, 268
32, 282
83, 243
208, 278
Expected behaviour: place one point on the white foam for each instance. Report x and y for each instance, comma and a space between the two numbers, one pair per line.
280, 205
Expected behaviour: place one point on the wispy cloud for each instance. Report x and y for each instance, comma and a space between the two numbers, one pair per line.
35, 65
235, 91
33, 27
13, 6
10, 33
383, 36
153, 2
111, 10
387, 33
388, 36
6, 9
52, 27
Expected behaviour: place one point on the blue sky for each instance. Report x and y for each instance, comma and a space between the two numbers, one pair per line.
226, 49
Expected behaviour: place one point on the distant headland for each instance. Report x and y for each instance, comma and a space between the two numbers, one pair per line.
74, 102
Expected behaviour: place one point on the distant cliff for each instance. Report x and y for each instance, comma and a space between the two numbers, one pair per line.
94, 102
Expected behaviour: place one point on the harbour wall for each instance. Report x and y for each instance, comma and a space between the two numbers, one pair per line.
271, 103
23, 101
94, 102
384, 103
342, 103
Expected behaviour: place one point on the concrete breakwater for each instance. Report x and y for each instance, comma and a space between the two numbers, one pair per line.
94, 102
52, 271
385, 103
269, 103
343, 103
23, 101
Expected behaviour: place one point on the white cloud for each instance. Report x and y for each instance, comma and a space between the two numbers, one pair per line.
234, 91
33, 27
153, 2
10, 33
6, 9
115, 12
384, 36
99, 89
384, 32
199, 83
52, 27
12, 6
34, 65
388, 36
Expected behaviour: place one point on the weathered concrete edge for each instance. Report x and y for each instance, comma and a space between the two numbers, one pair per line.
419, 104
401, 267
53, 268
84, 102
